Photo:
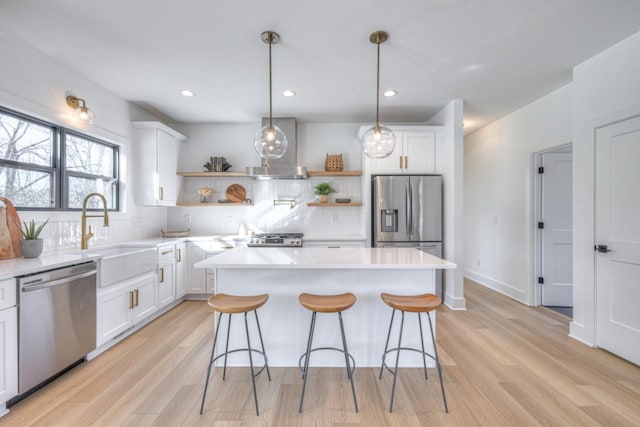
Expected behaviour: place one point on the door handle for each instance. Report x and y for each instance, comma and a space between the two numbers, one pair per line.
602, 249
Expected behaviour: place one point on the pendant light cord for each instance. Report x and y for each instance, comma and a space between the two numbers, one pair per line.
378, 92
270, 88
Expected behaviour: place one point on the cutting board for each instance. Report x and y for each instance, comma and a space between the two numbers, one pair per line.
10, 235
236, 193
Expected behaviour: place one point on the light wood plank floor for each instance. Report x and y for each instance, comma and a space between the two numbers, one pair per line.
504, 364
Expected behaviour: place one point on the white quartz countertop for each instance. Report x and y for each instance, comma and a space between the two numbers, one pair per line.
325, 258
22, 266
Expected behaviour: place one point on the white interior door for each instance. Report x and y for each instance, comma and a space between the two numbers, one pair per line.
557, 234
618, 238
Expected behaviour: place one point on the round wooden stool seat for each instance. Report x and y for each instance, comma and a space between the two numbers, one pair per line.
225, 303
412, 303
327, 303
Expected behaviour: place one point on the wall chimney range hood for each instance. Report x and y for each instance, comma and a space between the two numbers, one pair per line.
285, 167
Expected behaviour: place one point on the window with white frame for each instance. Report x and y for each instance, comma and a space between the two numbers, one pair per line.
47, 167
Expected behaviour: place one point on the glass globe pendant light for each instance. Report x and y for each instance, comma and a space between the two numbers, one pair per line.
270, 142
378, 141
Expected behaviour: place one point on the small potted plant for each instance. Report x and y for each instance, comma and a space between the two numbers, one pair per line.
31, 245
323, 190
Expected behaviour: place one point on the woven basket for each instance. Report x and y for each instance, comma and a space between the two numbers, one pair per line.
333, 163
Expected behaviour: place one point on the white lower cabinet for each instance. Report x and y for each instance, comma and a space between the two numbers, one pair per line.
121, 306
201, 280
8, 341
8, 353
181, 272
166, 274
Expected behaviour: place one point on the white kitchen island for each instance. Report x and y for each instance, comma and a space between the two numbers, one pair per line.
284, 273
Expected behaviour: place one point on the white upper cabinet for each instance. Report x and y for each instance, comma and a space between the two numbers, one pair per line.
156, 163
417, 150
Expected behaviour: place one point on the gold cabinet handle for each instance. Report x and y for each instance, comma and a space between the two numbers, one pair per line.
137, 300
130, 300
161, 275
400, 162
168, 251
161, 193
406, 162
179, 255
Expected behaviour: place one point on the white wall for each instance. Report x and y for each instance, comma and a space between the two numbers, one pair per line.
235, 142
451, 167
605, 90
497, 191
34, 84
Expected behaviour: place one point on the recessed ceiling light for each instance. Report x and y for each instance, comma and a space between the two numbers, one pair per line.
289, 92
187, 92
390, 92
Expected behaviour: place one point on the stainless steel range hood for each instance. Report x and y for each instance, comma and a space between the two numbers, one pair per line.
285, 167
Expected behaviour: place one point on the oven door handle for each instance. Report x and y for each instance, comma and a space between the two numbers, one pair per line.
52, 283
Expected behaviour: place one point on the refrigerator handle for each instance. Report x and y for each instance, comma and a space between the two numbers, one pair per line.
407, 207
411, 208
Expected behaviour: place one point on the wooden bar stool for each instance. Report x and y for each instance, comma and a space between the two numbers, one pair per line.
232, 304
424, 303
327, 304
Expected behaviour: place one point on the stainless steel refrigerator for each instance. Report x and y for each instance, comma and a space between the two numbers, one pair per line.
407, 212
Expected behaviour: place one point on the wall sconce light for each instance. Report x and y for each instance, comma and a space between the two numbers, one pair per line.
81, 113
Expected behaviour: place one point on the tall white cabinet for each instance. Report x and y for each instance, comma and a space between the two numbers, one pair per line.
156, 163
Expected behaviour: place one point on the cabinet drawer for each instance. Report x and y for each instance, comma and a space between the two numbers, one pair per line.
166, 253
7, 293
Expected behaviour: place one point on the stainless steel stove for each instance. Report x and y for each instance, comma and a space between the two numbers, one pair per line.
275, 240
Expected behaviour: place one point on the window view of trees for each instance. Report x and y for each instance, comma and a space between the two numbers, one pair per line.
34, 175
27, 176
91, 168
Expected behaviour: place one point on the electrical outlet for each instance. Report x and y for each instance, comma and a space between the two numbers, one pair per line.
230, 220
477, 262
187, 221
495, 219
334, 218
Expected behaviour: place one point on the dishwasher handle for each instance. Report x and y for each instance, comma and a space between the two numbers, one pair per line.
52, 283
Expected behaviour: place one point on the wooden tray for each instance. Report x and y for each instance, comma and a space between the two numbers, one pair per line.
10, 235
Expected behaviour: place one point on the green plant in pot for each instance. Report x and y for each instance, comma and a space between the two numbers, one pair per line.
323, 190
31, 245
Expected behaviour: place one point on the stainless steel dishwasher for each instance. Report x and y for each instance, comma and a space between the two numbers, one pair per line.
56, 322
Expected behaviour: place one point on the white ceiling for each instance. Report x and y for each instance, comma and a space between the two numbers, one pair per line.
496, 55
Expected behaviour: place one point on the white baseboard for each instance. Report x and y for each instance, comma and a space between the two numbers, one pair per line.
455, 303
503, 288
578, 332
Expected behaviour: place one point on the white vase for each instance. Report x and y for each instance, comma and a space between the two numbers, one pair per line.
31, 248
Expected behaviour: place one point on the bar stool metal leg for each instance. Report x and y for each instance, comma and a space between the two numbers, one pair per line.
253, 377
386, 346
346, 361
435, 353
395, 372
424, 356
264, 353
206, 384
307, 357
226, 348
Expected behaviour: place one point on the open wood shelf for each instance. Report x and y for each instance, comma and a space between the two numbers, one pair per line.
210, 174
329, 173
333, 205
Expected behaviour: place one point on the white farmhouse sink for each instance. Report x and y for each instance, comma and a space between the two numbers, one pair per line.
121, 263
